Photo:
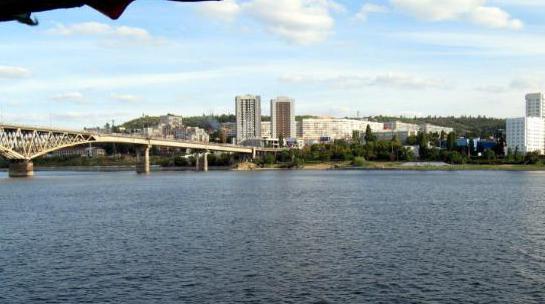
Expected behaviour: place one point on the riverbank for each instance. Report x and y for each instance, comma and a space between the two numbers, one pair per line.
420, 166
401, 166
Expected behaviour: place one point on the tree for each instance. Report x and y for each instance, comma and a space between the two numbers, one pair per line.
489, 155
281, 140
412, 140
369, 136
451, 141
532, 158
470, 147
356, 136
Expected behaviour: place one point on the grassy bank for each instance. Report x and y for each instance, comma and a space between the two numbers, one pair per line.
370, 165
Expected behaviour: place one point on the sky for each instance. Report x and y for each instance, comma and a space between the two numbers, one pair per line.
334, 57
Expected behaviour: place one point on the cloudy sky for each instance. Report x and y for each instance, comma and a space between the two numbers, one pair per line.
335, 57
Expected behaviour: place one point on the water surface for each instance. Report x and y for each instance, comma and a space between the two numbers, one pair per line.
273, 237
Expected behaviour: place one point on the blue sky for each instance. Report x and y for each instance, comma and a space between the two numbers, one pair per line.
335, 57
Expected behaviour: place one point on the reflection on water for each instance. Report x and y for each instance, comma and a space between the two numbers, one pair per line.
285, 236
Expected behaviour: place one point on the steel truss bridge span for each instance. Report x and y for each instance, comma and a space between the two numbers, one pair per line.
27, 143
21, 144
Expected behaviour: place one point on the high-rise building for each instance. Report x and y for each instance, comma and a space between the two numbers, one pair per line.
283, 118
526, 134
248, 112
535, 105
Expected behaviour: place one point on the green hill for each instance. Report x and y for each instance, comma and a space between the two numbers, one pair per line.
481, 126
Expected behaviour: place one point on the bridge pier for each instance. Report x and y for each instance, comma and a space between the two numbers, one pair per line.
142, 160
204, 165
21, 168
205, 162
197, 161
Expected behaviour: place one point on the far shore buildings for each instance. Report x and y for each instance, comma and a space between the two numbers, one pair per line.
316, 130
248, 116
429, 128
91, 152
527, 134
283, 118
266, 131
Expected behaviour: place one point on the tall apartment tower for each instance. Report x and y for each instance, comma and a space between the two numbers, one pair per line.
535, 105
248, 110
283, 118
527, 134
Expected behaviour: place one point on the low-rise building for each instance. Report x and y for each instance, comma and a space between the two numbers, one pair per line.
316, 130
79, 151
402, 136
412, 129
191, 134
230, 129
427, 128
266, 131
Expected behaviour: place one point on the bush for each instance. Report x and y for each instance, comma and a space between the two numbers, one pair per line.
358, 161
454, 157
531, 158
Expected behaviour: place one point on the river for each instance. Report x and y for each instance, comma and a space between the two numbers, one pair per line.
273, 237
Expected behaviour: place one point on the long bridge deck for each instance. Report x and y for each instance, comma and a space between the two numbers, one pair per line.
19, 143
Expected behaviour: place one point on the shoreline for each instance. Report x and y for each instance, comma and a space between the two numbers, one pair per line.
326, 166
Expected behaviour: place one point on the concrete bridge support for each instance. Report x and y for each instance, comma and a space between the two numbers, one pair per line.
205, 162
197, 161
142, 160
201, 164
21, 168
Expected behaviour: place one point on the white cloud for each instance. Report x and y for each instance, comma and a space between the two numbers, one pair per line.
12, 72
117, 35
298, 21
472, 10
354, 80
370, 8
509, 44
226, 10
126, 98
495, 18
71, 97
527, 83
86, 28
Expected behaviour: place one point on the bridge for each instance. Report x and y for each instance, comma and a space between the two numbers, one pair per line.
21, 144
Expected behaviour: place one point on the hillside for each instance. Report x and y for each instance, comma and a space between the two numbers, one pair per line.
464, 125
204, 121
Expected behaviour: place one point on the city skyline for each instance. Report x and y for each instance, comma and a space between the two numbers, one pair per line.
337, 57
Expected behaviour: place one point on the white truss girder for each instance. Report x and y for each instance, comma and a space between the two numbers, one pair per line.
27, 143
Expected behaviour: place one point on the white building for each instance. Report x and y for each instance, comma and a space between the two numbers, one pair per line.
398, 126
191, 134
171, 120
91, 152
429, 128
402, 136
535, 105
248, 112
526, 134
283, 118
168, 124
266, 129
317, 130
230, 128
